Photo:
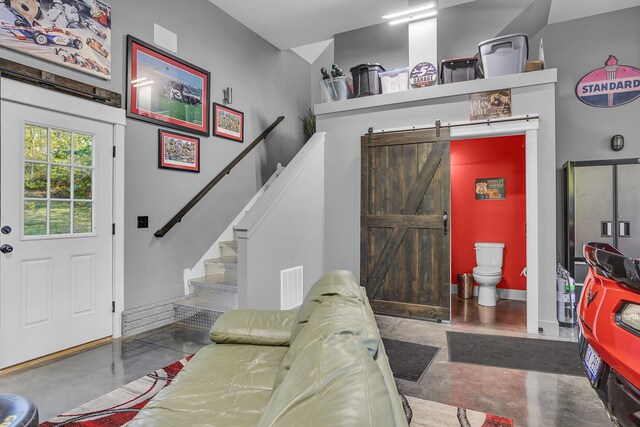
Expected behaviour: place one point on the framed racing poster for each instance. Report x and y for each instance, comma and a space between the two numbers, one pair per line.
228, 123
73, 33
178, 151
165, 90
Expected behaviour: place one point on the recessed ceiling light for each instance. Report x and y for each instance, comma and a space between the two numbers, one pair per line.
414, 17
411, 11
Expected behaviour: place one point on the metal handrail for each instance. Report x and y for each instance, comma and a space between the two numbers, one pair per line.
178, 217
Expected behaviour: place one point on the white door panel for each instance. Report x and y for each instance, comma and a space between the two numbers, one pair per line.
56, 195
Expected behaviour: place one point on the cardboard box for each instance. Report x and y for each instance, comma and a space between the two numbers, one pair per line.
536, 65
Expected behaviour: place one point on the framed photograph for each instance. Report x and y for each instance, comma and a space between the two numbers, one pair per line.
178, 151
73, 33
165, 90
228, 123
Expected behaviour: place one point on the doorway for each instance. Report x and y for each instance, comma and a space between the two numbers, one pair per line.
57, 260
496, 215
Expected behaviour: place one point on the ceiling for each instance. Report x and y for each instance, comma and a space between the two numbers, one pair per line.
289, 24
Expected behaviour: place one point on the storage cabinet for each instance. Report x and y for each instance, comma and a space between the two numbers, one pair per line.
602, 205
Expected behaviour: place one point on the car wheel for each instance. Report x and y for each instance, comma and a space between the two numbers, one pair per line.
77, 44
39, 38
19, 23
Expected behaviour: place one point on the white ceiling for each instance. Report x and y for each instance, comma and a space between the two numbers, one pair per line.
296, 23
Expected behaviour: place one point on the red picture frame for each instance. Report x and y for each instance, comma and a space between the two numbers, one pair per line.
164, 90
228, 123
178, 151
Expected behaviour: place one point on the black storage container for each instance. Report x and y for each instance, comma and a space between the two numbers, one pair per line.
366, 79
458, 69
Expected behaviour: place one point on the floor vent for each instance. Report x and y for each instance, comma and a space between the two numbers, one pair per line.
291, 292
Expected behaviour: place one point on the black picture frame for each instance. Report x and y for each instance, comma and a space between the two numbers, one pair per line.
219, 131
170, 91
163, 163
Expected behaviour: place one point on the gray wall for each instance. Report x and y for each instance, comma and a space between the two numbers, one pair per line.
385, 44
324, 60
266, 83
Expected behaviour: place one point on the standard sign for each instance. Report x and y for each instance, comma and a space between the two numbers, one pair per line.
610, 86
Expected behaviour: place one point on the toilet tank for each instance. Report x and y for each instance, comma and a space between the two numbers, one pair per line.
489, 254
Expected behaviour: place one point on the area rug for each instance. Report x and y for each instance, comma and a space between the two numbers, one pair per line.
408, 360
530, 354
434, 414
120, 406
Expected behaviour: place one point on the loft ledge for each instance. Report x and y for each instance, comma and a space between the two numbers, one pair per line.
511, 81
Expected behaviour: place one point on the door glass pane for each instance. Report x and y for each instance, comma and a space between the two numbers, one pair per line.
35, 143
82, 183
35, 180
60, 182
82, 149
35, 218
82, 217
60, 146
60, 218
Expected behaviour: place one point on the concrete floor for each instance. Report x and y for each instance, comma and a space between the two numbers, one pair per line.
530, 398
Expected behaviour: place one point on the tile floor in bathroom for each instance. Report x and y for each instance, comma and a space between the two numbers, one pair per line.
530, 398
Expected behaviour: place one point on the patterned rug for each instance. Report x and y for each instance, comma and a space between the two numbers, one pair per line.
120, 406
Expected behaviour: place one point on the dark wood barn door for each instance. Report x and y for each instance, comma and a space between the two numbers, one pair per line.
405, 241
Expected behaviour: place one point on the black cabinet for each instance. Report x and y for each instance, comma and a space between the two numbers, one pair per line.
602, 205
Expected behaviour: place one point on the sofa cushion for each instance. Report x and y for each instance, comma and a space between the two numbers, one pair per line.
333, 382
335, 316
222, 385
335, 283
256, 327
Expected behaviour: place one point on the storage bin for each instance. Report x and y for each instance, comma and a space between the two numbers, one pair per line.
504, 55
366, 79
336, 89
458, 69
395, 80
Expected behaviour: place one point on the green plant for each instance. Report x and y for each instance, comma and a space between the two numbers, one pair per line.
308, 123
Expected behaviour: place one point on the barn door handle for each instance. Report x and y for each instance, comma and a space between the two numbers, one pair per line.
445, 219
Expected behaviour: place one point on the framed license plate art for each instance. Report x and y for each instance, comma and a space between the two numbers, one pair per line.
165, 90
177, 151
228, 123
73, 33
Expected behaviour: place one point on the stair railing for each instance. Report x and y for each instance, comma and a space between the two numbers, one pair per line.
178, 217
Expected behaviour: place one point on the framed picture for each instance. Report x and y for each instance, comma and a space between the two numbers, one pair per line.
165, 90
73, 33
228, 123
178, 151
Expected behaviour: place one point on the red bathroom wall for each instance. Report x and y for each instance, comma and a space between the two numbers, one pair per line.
489, 220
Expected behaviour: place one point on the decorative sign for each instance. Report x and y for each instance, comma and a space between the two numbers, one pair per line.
490, 105
424, 74
74, 33
490, 188
609, 86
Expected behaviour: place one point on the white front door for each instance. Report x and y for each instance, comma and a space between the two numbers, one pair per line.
56, 239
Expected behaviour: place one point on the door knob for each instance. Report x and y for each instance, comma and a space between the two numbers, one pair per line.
5, 229
6, 249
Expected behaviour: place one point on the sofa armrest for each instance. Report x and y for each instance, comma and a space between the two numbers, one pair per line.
255, 327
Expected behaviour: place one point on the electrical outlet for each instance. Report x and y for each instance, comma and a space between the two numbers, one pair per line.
143, 222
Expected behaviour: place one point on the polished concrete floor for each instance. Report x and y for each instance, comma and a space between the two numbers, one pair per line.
530, 398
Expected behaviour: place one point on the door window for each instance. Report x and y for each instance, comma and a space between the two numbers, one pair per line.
58, 182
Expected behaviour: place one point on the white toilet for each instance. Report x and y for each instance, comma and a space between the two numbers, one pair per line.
488, 273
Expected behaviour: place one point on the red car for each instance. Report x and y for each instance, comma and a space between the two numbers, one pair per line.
609, 313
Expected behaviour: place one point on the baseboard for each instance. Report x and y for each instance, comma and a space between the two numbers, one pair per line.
147, 317
511, 294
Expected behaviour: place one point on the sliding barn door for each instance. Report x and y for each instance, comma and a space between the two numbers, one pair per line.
405, 241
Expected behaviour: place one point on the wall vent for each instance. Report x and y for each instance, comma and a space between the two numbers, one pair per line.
291, 291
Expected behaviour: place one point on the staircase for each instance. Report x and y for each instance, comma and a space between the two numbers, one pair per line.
217, 291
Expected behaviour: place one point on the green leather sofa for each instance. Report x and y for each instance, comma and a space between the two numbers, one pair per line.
322, 365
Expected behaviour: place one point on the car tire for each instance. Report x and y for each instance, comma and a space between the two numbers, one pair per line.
39, 38
77, 44
19, 23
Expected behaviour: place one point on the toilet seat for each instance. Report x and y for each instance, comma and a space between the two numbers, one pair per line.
487, 271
